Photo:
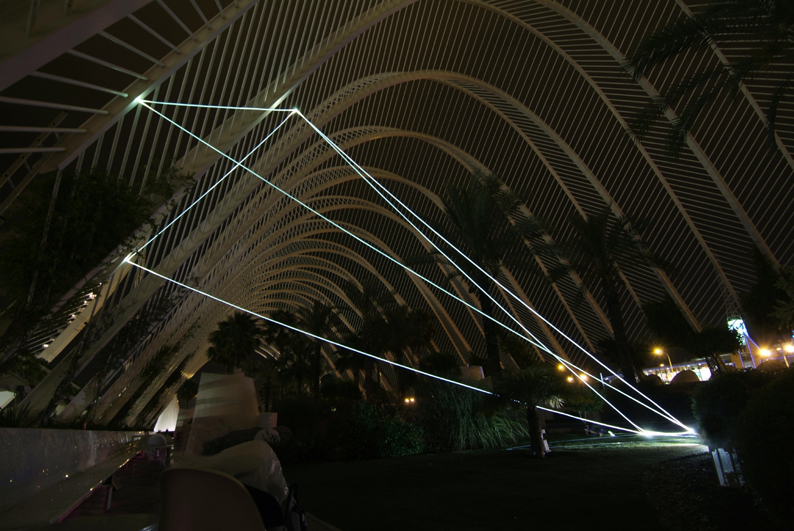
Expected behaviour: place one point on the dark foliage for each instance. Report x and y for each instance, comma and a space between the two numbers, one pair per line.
236, 338
455, 418
752, 412
601, 246
187, 391
784, 308
718, 402
758, 304
763, 434
340, 390
342, 429
488, 227
14, 416
760, 34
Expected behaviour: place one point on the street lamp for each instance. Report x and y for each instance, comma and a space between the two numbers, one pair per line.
659, 352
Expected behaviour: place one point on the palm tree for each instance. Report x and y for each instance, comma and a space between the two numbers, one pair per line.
293, 348
533, 386
403, 329
784, 307
294, 362
317, 320
764, 31
486, 225
371, 301
599, 248
758, 303
236, 338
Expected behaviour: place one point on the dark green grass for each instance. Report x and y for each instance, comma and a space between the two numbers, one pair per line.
583, 488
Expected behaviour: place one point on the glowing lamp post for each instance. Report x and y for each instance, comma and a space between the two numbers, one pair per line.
659, 352
788, 349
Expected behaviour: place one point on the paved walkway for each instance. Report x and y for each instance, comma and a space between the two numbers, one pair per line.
135, 507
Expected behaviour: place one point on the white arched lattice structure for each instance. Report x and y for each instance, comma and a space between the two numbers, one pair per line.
419, 93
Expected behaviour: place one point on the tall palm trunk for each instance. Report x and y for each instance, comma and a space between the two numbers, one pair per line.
615, 315
316, 369
535, 426
369, 365
489, 331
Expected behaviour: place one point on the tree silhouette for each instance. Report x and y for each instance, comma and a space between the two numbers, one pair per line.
599, 247
293, 347
485, 222
370, 301
533, 386
318, 320
235, 339
761, 35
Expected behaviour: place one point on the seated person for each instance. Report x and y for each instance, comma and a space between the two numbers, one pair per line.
156, 447
255, 464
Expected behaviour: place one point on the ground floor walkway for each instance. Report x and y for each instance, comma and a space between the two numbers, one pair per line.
601, 483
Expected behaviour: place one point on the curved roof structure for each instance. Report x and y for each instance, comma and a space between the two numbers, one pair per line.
419, 94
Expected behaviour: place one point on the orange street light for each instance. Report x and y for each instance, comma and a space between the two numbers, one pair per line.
659, 352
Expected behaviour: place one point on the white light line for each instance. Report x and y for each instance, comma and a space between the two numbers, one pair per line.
566, 363
314, 336
588, 420
605, 400
377, 358
336, 225
367, 178
354, 164
230, 107
643, 404
211, 188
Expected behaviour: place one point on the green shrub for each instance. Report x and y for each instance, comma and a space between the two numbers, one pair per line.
762, 435
454, 418
381, 433
15, 416
718, 402
344, 429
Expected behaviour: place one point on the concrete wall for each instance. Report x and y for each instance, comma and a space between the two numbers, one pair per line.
32, 460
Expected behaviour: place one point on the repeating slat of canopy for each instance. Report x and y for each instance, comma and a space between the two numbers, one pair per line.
420, 93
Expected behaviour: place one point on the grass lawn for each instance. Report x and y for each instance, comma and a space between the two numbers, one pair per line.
578, 488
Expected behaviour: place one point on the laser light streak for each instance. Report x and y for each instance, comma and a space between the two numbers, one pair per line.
377, 186
639, 430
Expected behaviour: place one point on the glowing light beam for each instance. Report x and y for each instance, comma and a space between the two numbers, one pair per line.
370, 180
